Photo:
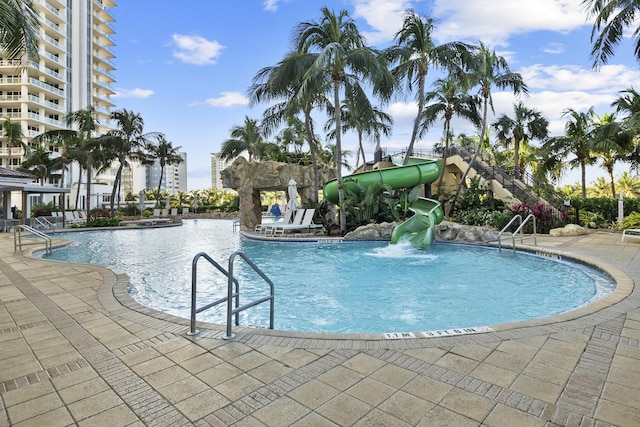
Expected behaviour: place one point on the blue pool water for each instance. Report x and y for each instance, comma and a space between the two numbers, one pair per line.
365, 287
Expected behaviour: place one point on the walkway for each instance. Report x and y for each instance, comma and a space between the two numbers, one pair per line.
72, 354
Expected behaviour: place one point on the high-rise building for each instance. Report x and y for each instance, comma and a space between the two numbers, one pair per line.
218, 164
174, 178
73, 72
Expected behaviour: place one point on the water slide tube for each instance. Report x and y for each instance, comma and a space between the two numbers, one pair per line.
427, 212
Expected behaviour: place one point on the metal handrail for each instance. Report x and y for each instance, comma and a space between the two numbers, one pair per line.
233, 293
230, 310
518, 230
44, 223
17, 238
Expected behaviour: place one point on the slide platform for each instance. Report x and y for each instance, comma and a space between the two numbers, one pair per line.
427, 212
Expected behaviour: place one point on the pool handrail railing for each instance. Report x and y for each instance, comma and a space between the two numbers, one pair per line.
518, 231
233, 293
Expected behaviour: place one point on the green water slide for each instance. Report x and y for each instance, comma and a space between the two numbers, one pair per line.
418, 229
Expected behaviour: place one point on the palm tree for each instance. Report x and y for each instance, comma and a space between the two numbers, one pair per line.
365, 119
285, 82
341, 57
19, 26
247, 138
39, 163
629, 185
629, 104
87, 126
65, 142
575, 142
124, 142
612, 17
611, 142
415, 52
164, 153
12, 131
450, 98
526, 124
487, 70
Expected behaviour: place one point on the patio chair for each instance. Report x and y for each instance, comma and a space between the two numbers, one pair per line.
262, 227
156, 212
306, 224
297, 220
631, 233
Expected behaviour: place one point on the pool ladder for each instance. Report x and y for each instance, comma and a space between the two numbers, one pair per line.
233, 293
518, 234
37, 238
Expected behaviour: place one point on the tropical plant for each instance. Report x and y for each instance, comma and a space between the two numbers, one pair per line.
165, 154
415, 53
525, 125
288, 82
450, 98
38, 162
575, 142
612, 17
86, 142
487, 70
126, 141
340, 56
628, 185
19, 29
12, 132
247, 138
365, 119
611, 142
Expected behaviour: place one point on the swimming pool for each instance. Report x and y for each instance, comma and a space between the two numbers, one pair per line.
363, 287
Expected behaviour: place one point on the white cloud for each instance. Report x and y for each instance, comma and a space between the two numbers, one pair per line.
554, 48
384, 17
609, 79
272, 5
494, 21
228, 99
133, 93
196, 49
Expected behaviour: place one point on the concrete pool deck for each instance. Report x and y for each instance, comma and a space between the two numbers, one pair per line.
75, 351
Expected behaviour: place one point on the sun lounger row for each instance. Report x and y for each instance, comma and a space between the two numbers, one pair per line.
71, 217
302, 221
631, 233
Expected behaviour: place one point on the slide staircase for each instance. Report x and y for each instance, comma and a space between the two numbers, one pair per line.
502, 183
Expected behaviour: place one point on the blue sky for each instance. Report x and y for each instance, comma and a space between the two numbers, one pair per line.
186, 66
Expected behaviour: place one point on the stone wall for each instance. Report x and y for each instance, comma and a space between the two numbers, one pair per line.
250, 178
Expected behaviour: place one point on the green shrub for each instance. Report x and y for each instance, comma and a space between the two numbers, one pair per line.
631, 221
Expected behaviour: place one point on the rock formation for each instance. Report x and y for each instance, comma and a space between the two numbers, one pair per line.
250, 178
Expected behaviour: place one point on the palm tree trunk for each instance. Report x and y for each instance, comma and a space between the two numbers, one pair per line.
364, 160
613, 184
312, 150
116, 183
416, 122
89, 172
160, 184
475, 155
583, 178
336, 100
78, 187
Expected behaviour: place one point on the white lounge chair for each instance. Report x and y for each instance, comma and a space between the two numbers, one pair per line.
174, 211
297, 220
262, 227
156, 212
185, 211
306, 224
631, 233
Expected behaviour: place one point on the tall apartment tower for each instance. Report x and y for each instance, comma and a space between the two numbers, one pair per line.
73, 72
218, 164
